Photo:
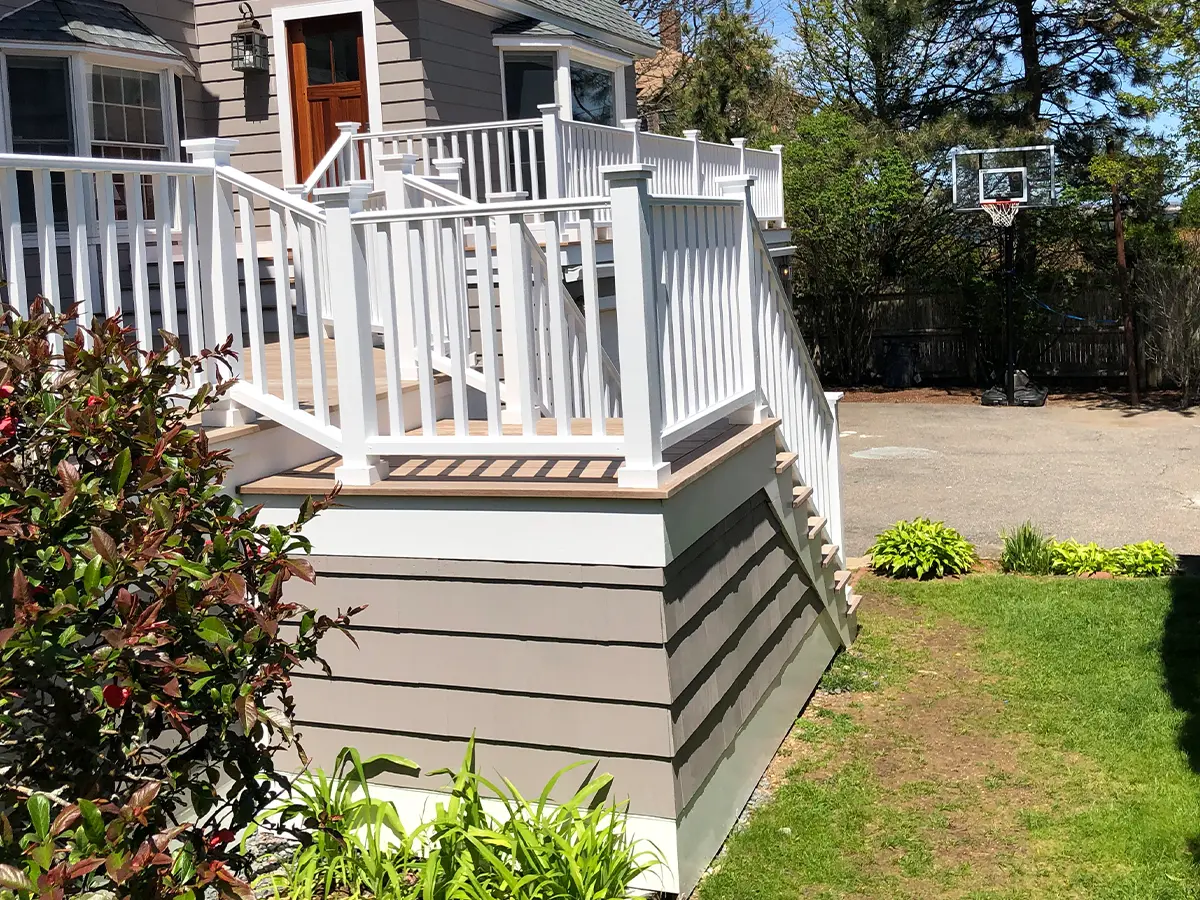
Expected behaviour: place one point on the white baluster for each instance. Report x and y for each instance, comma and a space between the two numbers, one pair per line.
693, 135
747, 286
14, 242
516, 328
777, 181
80, 252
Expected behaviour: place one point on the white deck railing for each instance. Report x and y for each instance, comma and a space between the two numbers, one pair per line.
551, 158
704, 328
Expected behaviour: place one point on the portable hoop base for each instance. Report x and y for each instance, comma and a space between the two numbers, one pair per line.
1002, 212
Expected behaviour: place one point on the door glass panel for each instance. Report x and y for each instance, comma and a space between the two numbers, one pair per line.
592, 96
320, 62
331, 48
528, 81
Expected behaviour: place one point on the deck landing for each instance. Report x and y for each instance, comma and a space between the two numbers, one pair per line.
475, 476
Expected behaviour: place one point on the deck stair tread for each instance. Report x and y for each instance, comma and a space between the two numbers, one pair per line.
801, 495
784, 461
815, 525
841, 578
829, 553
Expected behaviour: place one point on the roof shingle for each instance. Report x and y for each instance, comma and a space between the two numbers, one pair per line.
97, 23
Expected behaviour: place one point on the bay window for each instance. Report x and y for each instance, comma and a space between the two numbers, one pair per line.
593, 98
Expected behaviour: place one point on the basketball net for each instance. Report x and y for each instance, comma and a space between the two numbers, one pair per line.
1002, 212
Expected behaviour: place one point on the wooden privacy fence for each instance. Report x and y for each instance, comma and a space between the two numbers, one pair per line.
1079, 337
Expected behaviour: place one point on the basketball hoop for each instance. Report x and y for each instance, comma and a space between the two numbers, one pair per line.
1002, 212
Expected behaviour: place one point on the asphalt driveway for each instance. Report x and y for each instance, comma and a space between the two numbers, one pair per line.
1091, 474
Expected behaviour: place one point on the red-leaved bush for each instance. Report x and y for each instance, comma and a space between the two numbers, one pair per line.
144, 678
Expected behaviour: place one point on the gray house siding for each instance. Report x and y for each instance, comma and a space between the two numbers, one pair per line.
736, 606
655, 674
462, 67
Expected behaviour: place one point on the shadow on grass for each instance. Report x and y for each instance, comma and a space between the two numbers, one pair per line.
1180, 651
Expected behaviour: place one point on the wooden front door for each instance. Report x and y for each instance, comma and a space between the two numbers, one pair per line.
329, 83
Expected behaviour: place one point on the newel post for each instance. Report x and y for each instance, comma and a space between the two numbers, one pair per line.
835, 514
357, 404
389, 177
449, 172
348, 158
777, 149
637, 326
738, 187
216, 231
693, 135
552, 145
635, 127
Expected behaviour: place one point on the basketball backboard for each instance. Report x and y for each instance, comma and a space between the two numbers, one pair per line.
1023, 174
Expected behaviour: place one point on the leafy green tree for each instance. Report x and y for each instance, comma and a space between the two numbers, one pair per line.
728, 87
866, 222
1189, 210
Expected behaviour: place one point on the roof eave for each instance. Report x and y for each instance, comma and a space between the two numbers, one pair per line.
636, 48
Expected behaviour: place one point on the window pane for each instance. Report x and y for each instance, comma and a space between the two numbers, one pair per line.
528, 81
38, 98
592, 96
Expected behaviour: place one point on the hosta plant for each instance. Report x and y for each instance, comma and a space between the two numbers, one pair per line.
921, 549
144, 677
1074, 558
1145, 560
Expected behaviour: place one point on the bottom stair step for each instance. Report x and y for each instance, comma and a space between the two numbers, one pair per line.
853, 603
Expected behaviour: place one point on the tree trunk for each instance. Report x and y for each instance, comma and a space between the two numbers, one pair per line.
1033, 83
1131, 359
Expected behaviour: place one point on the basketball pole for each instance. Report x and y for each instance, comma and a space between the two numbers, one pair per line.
1010, 344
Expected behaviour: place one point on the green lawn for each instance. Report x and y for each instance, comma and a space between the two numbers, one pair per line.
994, 737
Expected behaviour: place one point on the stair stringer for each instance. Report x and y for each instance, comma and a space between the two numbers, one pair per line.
779, 491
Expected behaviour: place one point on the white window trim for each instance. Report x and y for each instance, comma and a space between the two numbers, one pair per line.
566, 51
280, 16
80, 64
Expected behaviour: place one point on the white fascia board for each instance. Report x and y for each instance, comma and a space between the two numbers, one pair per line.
581, 51
102, 55
635, 49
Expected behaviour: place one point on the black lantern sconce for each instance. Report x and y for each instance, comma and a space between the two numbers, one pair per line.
248, 45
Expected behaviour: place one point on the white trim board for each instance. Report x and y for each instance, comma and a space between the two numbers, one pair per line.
280, 16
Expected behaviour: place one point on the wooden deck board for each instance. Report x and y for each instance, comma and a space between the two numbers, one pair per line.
471, 476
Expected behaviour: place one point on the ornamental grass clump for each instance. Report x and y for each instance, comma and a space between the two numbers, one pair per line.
1027, 551
921, 549
144, 677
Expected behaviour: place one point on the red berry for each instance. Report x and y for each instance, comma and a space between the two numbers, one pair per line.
8, 426
6, 390
115, 695
93, 400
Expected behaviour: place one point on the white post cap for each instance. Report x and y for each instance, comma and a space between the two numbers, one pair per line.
211, 150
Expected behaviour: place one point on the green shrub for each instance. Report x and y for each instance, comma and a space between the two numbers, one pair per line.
1145, 560
1074, 558
354, 845
921, 549
144, 677
1026, 551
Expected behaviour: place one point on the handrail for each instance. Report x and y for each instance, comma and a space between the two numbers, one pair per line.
471, 209
271, 193
101, 164
446, 129
327, 161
